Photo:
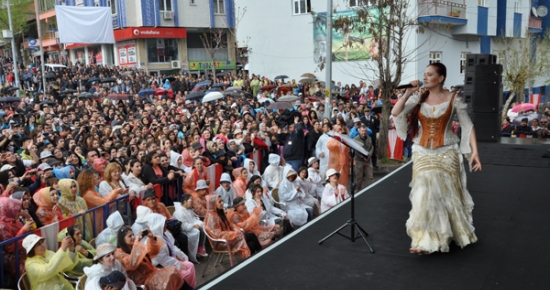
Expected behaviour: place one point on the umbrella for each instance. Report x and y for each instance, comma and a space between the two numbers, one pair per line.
50, 75
9, 99
268, 87
279, 106
146, 92
335, 88
86, 95
48, 102
235, 94
281, 77
248, 95
202, 84
68, 91
94, 79
308, 75
235, 89
161, 92
530, 117
212, 90
378, 109
212, 96
524, 107
307, 80
108, 80
117, 96
263, 100
2, 113
27, 76
194, 95
170, 79
287, 99
222, 74
218, 85
283, 89
13, 89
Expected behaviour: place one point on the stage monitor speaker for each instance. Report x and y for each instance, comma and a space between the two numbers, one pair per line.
487, 126
484, 98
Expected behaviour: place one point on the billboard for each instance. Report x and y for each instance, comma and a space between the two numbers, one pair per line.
352, 43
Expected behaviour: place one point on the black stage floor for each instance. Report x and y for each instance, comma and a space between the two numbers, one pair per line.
511, 211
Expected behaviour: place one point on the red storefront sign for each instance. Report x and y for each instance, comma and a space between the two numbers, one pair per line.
149, 32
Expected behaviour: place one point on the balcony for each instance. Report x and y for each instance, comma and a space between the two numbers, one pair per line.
450, 12
535, 25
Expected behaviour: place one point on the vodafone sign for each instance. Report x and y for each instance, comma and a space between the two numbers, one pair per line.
149, 32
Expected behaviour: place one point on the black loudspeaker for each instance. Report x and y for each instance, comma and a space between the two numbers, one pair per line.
487, 126
484, 98
473, 60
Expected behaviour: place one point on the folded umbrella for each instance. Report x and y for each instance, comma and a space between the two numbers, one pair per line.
212, 96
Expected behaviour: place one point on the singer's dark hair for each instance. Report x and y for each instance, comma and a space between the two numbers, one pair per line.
441, 70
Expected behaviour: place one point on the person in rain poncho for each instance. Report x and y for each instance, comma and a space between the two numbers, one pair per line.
250, 165
273, 173
225, 190
142, 213
167, 85
191, 226
321, 148
71, 203
309, 190
84, 251
109, 235
106, 263
169, 254
176, 160
241, 179
136, 257
218, 226
316, 176
45, 268
291, 194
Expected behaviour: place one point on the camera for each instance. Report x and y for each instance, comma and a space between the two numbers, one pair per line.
145, 233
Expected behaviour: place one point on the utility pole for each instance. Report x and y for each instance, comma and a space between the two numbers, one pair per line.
13, 51
37, 11
328, 62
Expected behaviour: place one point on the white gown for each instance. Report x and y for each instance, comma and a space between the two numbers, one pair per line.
296, 207
317, 179
188, 221
321, 147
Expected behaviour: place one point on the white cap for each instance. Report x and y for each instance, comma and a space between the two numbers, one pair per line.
201, 184
225, 178
6, 167
44, 166
30, 241
311, 160
356, 120
103, 250
331, 172
45, 154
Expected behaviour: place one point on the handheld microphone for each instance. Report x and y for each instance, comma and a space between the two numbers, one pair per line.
406, 86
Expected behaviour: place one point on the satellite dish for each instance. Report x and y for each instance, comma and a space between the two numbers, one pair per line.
542, 11
534, 11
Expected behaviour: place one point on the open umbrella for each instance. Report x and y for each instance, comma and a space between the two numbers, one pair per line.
194, 96
27, 76
86, 95
144, 92
9, 99
108, 80
530, 117
2, 113
202, 84
13, 89
222, 74
212, 96
235, 89
263, 100
68, 91
524, 107
279, 106
170, 79
283, 89
50, 75
235, 94
161, 92
48, 102
94, 79
218, 85
289, 98
308, 75
281, 77
117, 96
268, 87
307, 80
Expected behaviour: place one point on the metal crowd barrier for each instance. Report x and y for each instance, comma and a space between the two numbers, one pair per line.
93, 212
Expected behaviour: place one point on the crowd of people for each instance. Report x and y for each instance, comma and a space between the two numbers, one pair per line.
100, 134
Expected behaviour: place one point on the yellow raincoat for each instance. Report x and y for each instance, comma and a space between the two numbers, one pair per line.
45, 272
71, 205
83, 261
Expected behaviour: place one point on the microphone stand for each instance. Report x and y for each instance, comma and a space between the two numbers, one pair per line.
351, 222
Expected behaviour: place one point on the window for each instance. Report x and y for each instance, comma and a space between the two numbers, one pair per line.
218, 7
517, 7
112, 4
358, 3
162, 50
192, 2
463, 62
435, 56
302, 6
165, 5
482, 3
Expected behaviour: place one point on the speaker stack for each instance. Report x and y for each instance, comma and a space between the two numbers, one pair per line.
483, 94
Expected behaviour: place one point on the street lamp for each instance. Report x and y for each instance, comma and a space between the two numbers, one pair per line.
9, 34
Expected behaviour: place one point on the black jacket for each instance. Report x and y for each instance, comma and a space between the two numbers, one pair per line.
294, 144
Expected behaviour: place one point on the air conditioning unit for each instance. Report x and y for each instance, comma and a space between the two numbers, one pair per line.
168, 14
175, 64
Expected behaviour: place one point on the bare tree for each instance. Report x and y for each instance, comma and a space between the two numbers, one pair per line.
524, 60
213, 41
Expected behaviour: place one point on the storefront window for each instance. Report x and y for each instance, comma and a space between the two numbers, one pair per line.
79, 55
162, 50
94, 55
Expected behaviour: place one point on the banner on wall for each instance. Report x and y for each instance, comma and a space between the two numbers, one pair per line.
79, 24
127, 53
207, 65
352, 44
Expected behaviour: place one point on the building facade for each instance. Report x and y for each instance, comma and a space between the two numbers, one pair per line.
157, 35
453, 28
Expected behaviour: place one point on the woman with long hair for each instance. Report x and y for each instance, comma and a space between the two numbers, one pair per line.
241, 180
72, 204
136, 258
441, 204
197, 173
155, 174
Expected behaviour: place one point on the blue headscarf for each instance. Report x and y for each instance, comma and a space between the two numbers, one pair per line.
61, 173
